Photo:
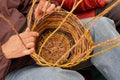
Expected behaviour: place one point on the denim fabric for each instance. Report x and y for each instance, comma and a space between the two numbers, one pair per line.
107, 63
44, 73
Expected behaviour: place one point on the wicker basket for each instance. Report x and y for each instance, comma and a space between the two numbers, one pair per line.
66, 47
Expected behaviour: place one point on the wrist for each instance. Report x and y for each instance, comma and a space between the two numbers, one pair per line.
2, 55
4, 51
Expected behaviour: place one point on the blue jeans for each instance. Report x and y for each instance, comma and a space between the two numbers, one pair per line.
44, 73
107, 63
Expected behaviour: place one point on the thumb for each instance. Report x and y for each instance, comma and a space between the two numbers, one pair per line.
27, 29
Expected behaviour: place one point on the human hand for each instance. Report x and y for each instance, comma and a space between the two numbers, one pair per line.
14, 48
108, 1
44, 7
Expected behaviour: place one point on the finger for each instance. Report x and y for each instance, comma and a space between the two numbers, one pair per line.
27, 29
29, 40
57, 8
33, 34
28, 51
41, 3
51, 8
30, 45
38, 10
29, 34
46, 5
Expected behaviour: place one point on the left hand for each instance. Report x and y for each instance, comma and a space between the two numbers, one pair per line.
14, 48
44, 7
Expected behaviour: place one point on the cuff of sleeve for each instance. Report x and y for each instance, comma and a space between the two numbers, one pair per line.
4, 65
2, 54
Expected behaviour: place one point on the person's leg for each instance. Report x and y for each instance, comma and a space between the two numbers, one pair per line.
43, 73
112, 14
107, 63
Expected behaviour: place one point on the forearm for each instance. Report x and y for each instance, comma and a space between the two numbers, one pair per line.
4, 65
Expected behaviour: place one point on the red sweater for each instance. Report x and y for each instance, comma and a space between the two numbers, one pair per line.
85, 9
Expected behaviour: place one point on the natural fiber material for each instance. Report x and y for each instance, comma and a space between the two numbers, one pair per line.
64, 41
57, 50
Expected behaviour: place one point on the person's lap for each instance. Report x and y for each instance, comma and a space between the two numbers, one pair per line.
101, 31
43, 73
107, 63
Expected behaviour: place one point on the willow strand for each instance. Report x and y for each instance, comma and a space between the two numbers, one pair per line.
29, 18
112, 42
37, 20
107, 49
61, 4
66, 53
86, 55
72, 47
34, 25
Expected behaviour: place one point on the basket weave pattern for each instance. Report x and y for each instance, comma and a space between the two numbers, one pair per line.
61, 41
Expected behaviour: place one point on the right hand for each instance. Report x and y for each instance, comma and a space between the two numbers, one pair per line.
44, 7
14, 48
